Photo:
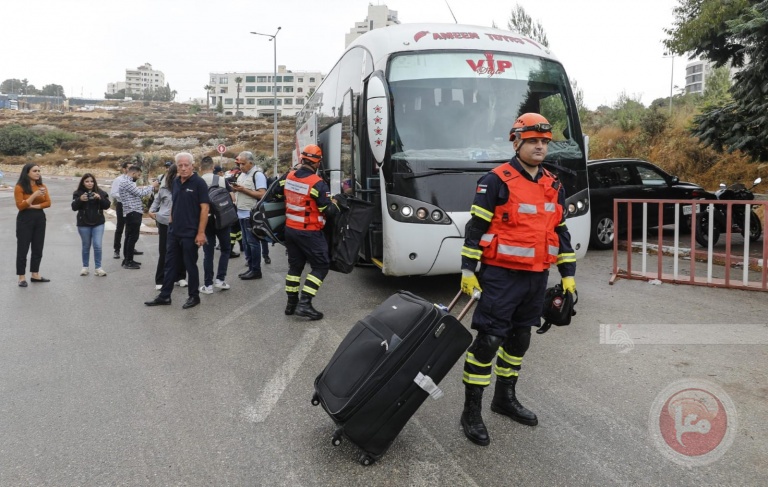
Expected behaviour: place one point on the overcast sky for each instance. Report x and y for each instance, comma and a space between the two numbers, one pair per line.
607, 46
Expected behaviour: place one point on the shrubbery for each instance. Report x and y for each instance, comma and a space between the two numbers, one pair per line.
16, 140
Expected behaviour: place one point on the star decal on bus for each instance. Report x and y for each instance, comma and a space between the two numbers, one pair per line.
377, 130
378, 142
377, 120
377, 109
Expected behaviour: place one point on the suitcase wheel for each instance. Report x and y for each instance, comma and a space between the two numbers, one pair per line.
315, 399
336, 438
366, 460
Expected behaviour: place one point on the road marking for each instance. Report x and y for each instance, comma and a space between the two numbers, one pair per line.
238, 312
264, 405
457, 470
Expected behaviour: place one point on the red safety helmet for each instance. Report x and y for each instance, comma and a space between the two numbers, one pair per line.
312, 153
531, 126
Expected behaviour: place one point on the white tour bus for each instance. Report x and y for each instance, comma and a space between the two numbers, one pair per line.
413, 115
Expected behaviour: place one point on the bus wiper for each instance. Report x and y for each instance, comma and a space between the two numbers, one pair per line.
436, 171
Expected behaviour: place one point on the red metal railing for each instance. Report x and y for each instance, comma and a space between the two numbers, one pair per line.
727, 259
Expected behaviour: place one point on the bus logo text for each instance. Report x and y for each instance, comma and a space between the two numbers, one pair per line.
446, 35
488, 65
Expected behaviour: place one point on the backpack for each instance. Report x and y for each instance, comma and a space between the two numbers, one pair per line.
222, 207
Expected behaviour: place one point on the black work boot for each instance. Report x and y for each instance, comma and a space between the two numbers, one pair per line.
293, 300
305, 308
471, 418
505, 402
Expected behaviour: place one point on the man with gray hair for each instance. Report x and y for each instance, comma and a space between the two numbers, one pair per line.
186, 233
251, 186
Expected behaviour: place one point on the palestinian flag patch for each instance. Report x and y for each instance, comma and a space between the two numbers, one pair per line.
481, 189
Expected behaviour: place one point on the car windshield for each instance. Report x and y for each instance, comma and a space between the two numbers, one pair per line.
451, 110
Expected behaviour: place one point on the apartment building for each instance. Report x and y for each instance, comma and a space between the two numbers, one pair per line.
143, 78
696, 73
113, 88
256, 97
378, 16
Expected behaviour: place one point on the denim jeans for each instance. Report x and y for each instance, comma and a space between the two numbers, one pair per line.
91, 236
252, 246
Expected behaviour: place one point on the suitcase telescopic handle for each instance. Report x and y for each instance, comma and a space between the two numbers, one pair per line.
465, 309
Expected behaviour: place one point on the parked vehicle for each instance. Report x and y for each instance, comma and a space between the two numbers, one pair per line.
631, 178
736, 192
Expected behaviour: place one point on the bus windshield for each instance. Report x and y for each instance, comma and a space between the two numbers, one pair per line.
453, 110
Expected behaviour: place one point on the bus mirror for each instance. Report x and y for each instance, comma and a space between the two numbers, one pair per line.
586, 147
377, 112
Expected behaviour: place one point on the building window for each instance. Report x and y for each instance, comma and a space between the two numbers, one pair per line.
261, 89
239, 101
227, 101
288, 101
288, 79
311, 80
261, 79
279, 79
268, 101
223, 89
223, 80
287, 89
250, 89
250, 79
278, 89
250, 101
299, 101
300, 80
299, 90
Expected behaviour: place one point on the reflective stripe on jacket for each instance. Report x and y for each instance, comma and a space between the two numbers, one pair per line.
522, 231
301, 211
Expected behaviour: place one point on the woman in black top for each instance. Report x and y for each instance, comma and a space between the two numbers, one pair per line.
90, 202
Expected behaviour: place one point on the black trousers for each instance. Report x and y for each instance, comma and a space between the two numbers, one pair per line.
120, 226
30, 232
132, 228
181, 251
181, 271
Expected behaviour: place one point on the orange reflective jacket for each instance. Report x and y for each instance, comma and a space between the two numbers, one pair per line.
301, 212
522, 232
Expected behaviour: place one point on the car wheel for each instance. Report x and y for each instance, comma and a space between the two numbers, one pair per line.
603, 230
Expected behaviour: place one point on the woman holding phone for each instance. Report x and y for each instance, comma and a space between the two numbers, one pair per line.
89, 201
32, 198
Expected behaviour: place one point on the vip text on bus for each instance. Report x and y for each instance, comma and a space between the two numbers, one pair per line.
412, 115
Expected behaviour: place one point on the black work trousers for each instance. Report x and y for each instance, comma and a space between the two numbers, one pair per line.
120, 225
132, 228
30, 232
181, 251
162, 249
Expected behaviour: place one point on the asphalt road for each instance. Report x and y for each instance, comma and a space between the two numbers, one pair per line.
97, 389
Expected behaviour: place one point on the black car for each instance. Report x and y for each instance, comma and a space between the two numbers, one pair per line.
631, 178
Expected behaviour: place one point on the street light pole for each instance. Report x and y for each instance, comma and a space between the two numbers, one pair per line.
273, 38
671, 83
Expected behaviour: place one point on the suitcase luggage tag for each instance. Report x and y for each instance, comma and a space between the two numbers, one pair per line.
425, 381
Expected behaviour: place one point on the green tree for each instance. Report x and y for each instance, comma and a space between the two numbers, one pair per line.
220, 106
53, 90
238, 80
207, 89
734, 32
11, 86
718, 84
120, 95
520, 22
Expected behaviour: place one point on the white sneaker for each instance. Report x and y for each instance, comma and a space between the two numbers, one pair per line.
206, 289
218, 283
84, 272
182, 283
100, 272
158, 286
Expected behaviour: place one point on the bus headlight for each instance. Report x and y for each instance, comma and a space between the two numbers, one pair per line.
421, 213
407, 211
437, 215
571, 209
393, 207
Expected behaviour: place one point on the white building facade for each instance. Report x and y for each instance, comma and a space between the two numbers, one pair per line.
113, 88
142, 79
696, 73
378, 16
256, 97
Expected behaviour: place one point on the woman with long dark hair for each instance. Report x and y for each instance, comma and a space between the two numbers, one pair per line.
89, 201
32, 198
161, 212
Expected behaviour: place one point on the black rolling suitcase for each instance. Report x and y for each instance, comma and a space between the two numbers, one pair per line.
386, 366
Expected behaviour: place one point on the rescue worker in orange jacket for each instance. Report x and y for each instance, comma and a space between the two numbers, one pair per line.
516, 232
307, 203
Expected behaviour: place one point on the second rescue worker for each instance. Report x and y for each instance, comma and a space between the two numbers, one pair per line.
307, 202
516, 232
